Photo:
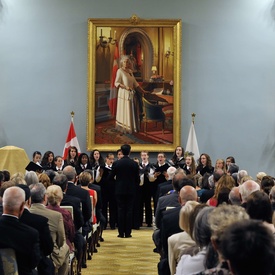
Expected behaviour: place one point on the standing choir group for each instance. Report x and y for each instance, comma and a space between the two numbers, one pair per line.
196, 210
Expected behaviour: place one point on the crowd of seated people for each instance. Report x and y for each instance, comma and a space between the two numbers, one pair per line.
188, 204
228, 196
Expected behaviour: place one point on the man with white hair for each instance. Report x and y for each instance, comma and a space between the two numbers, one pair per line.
234, 196
167, 186
247, 188
23, 239
240, 175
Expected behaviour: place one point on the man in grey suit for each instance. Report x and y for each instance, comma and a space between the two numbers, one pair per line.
60, 254
126, 172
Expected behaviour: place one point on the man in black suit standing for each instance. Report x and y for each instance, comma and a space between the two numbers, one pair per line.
126, 172
16, 235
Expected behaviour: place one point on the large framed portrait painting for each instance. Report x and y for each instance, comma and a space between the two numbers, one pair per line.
134, 84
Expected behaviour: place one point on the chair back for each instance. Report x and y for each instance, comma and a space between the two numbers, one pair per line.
92, 206
69, 208
152, 112
8, 261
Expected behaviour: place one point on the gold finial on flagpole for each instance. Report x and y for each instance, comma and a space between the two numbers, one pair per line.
193, 117
72, 116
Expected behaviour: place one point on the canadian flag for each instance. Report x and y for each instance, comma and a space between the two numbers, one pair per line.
71, 140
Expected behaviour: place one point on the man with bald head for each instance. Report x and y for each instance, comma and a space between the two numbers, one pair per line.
23, 239
234, 196
170, 223
246, 189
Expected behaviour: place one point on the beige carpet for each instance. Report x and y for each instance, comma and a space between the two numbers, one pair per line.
118, 256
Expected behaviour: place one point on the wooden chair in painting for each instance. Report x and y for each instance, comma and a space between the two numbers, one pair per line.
152, 113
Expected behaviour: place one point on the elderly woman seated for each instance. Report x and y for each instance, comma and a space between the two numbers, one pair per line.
55, 196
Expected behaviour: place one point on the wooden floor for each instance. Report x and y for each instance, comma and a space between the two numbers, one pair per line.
118, 256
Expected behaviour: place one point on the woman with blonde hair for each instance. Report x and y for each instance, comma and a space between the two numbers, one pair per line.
180, 241
84, 179
55, 196
220, 164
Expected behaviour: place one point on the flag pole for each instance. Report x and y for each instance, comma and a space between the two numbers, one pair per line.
193, 118
72, 116
71, 139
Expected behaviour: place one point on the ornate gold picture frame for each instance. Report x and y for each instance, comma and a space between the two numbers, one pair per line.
153, 48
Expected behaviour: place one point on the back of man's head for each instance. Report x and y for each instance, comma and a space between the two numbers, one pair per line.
241, 174
249, 247
31, 178
38, 192
234, 196
180, 180
69, 172
171, 172
13, 200
61, 180
218, 173
26, 189
125, 149
259, 207
188, 193
248, 188
233, 168
51, 174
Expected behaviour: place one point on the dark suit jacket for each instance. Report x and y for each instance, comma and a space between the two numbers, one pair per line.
127, 176
75, 203
39, 223
170, 200
164, 188
169, 226
84, 196
23, 239
206, 195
